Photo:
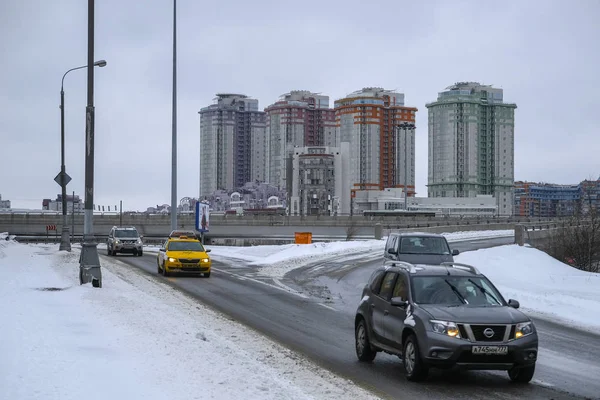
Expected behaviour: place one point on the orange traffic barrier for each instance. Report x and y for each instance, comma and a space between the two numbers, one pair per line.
303, 237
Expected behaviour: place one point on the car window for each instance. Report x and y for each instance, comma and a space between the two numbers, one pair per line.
387, 285
391, 243
126, 233
375, 281
401, 288
185, 246
424, 245
455, 290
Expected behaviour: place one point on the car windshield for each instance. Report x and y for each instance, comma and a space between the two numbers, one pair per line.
424, 245
126, 233
455, 290
186, 246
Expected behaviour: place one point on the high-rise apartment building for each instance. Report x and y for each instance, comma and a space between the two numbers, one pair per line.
233, 145
471, 144
298, 119
381, 133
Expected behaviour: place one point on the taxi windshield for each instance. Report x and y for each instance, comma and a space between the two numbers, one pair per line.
185, 246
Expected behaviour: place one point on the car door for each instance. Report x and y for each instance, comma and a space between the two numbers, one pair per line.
393, 321
380, 305
162, 252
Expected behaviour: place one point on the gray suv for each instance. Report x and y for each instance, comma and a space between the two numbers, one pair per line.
443, 316
418, 248
124, 240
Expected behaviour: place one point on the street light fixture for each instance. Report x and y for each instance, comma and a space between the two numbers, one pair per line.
63, 179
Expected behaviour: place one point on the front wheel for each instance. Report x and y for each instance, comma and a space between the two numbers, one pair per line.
416, 370
164, 270
521, 374
364, 351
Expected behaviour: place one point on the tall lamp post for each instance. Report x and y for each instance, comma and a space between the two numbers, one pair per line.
406, 126
174, 126
63, 179
89, 261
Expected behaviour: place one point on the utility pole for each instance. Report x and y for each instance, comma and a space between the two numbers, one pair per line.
89, 262
174, 133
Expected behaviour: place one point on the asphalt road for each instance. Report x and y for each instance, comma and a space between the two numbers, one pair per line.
314, 327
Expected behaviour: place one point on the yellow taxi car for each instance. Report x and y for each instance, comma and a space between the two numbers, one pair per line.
183, 254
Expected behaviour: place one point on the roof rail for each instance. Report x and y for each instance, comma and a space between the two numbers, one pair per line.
456, 265
402, 264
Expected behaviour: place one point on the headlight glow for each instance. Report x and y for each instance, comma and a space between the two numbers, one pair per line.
523, 329
205, 260
171, 259
445, 328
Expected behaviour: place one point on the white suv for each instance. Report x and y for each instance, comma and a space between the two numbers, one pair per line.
124, 240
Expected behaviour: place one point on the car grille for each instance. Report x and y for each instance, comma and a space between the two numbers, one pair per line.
498, 336
129, 241
189, 260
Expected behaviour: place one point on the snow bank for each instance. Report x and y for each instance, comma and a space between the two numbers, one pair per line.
541, 284
134, 338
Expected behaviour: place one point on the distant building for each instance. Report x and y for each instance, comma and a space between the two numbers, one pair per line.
318, 182
233, 144
380, 131
533, 199
391, 199
73, 203
471, 144
4, 204
298, 119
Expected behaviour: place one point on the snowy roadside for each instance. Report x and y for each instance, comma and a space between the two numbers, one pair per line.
134, 338
277, 261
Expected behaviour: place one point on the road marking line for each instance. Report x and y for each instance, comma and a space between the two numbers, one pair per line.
278, 282
542, 383
326, 306
263, 283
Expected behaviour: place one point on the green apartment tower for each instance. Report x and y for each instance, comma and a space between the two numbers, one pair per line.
471, 144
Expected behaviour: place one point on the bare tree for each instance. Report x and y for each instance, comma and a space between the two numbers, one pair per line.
351, 229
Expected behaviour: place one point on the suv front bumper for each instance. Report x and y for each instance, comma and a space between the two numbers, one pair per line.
445, 352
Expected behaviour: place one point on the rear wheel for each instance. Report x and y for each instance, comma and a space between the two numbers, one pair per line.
521, 374
364, 351
416, 370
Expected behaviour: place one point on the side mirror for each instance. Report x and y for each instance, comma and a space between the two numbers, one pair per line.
391, 251
207, 250
141, 236
455, 252
162, 249
513, 303
398, 302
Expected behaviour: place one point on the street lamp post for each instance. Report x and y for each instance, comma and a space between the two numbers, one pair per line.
63, 179
89, 261
174, 126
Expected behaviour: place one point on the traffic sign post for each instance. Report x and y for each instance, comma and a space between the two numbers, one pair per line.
63, 179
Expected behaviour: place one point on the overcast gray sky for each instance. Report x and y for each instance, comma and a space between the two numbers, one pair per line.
544, 54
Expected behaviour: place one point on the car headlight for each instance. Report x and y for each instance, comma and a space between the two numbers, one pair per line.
205, 260
139, 241
445, 328
523, 329
117, 241
171, 259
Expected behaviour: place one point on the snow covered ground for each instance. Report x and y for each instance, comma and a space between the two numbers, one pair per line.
542, 284
133, 339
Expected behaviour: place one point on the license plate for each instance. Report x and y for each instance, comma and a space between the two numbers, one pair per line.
189, 265
499, 350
